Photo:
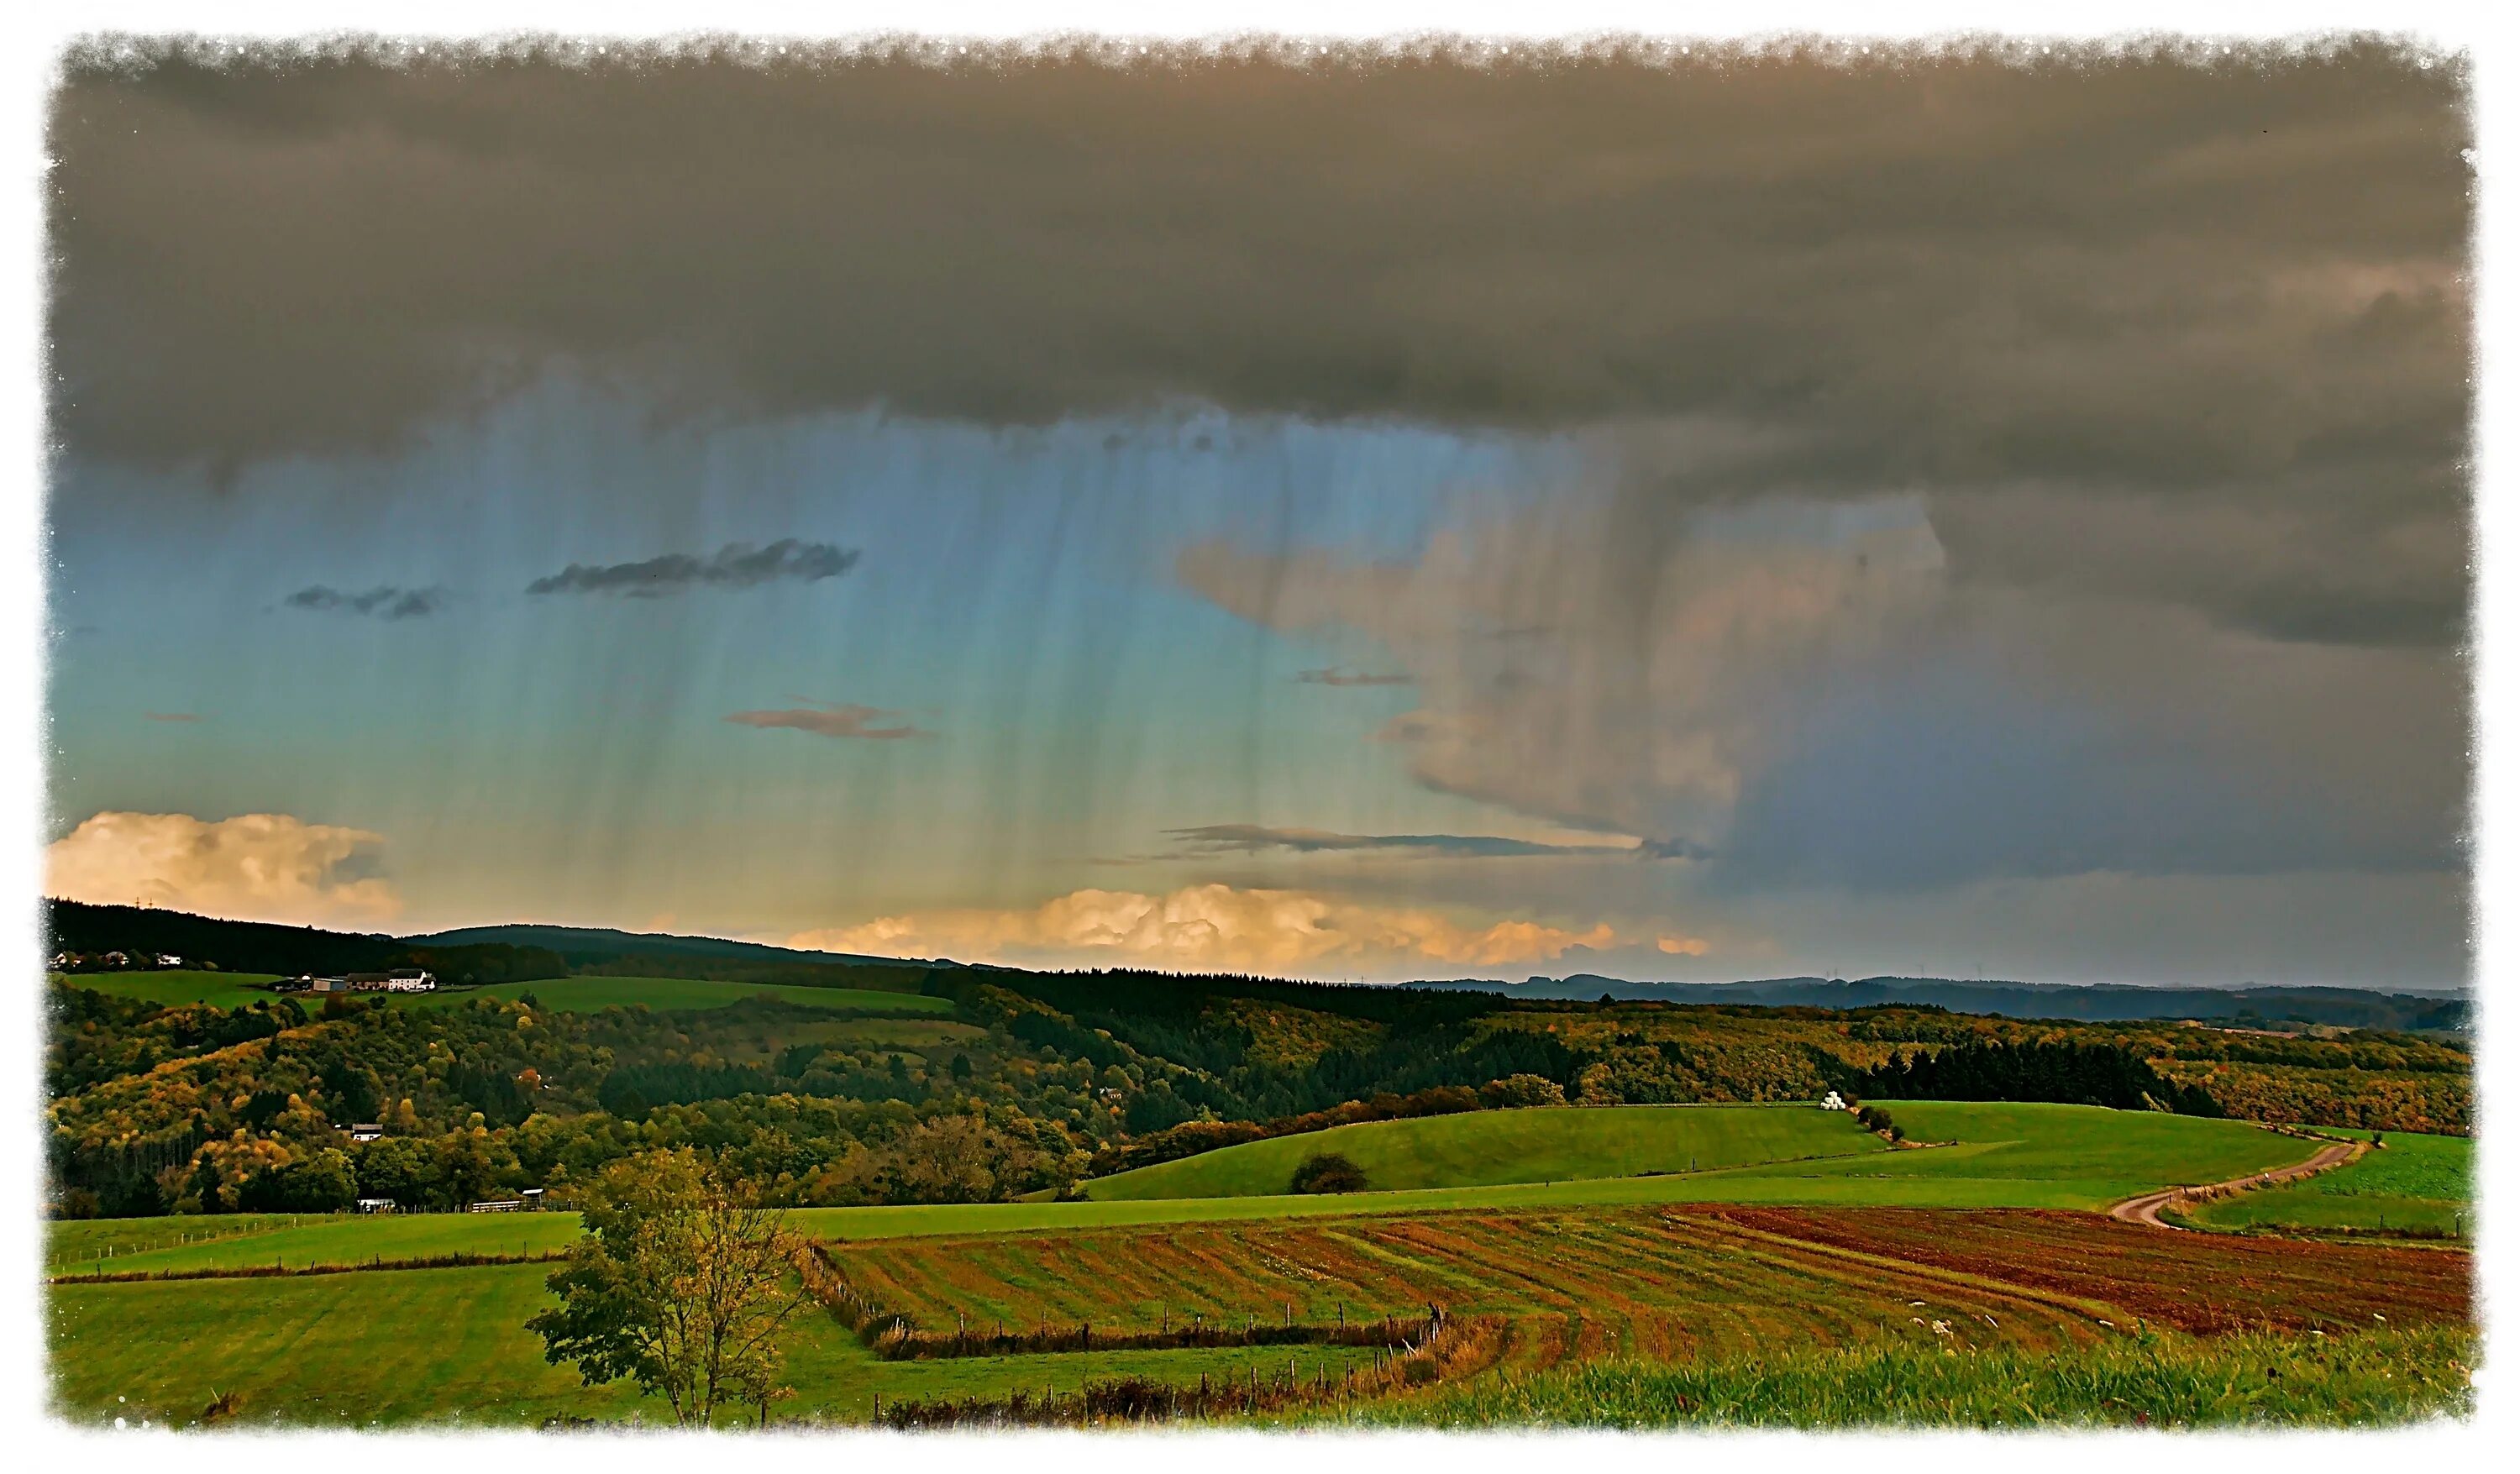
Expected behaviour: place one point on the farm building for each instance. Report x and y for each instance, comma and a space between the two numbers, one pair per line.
366, 1130
375, 1205
169, 960
400, 980
499, 1205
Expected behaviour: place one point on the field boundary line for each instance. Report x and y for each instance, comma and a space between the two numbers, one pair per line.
2145, 1208
456, 1260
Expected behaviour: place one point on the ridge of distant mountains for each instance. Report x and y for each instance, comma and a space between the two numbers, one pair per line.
2089, 1003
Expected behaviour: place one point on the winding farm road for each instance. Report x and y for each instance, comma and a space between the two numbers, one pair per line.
2146, 1210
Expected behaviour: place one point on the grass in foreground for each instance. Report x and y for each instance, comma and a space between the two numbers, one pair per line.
2361, 1379
402, 1347
1485, 1148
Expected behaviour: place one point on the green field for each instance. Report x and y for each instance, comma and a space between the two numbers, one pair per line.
1579, 1268
1483, 1148
2006, 1156
346, 1348
2050, 1156
2413, 1185
227, 990
587, 995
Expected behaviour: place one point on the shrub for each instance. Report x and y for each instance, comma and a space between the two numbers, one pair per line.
1327, 1172
1521, 1090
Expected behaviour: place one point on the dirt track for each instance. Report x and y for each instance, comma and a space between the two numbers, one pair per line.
2147, 1209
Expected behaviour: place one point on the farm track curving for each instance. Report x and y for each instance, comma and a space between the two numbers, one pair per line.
2145, 1208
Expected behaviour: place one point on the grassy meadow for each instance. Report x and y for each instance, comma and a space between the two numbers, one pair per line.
340, 1349
1484, 1148
591, 994
2413, 1185
173, 988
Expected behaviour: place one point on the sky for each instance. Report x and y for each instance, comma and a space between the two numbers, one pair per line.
1699, 517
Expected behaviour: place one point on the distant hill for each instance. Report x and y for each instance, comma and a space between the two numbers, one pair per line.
474, 955
2093, 1002
284, 950
606, 942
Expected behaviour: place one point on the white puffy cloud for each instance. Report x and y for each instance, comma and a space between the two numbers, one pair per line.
1210, 927
254, 866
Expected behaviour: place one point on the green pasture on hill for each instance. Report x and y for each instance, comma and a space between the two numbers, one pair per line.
2416, 1184
397, 1347
591, 994
1484, 1148
168, 989
2041, 1156
2004, 1156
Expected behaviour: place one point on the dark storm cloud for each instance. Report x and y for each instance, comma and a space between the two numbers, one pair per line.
737, 565
1252, 838
384, 601
833, 720
1334, 676
2172, 298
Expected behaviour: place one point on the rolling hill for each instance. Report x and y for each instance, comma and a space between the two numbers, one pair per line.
1486, 1147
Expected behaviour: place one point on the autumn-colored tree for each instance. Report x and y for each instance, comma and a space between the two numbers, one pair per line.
682, 1283
956, 1160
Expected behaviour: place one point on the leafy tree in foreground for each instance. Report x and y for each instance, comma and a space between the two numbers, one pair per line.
682, 1283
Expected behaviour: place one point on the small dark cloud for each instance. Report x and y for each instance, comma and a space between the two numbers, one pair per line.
172, 716
737, 565
383, 602
1334, 676
1252, 839
831, 718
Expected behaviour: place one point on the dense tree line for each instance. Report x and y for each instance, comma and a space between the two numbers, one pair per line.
2071, 1074
284, 950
